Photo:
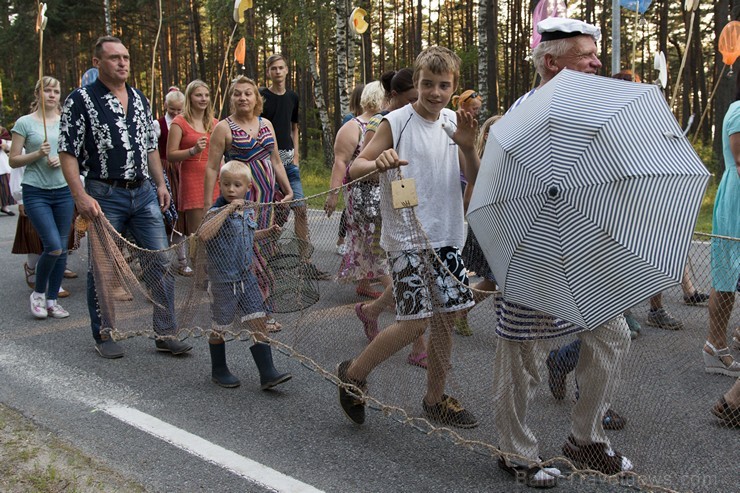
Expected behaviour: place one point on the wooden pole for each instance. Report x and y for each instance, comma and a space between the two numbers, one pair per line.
709, 103
221, 75
683, 61
40, 27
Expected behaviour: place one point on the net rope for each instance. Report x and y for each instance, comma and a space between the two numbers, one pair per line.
661, 381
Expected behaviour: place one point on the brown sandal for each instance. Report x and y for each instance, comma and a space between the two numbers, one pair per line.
29, 274
273, 325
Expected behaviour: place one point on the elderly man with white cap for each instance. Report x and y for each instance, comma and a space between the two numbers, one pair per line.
571, 44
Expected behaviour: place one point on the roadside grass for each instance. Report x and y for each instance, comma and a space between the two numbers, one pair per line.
315, 177
33, 460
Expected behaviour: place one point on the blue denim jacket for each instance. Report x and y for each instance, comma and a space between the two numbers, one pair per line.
231, 250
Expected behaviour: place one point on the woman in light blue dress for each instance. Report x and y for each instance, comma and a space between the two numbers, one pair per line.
725, 252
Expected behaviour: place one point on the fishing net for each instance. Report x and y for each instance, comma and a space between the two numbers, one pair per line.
662, 391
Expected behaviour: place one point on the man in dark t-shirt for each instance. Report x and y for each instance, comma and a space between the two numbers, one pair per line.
281, 108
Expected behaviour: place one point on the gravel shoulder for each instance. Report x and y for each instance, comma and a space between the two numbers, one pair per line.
33, 459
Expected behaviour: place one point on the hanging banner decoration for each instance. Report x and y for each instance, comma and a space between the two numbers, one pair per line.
729, 43
89, 77
660, 65
543, 10
240, 51
691, 5
640, 6
729, 46
41, 18
241, 6
357, 21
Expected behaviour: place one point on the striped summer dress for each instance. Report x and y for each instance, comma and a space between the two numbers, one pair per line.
255, 152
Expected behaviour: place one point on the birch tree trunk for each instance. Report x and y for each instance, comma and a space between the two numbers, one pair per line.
340, 7
352, 61
318, 95
106, 11
483, 56
494, 99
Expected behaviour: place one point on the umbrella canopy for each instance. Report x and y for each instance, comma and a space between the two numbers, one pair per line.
587, 198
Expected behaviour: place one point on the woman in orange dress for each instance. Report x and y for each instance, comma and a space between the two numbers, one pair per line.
188, 143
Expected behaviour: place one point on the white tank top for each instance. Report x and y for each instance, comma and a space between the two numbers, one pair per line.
434, 165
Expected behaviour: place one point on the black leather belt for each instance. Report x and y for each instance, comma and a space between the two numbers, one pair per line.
127, 184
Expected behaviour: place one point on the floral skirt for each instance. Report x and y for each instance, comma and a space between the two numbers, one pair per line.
365, 259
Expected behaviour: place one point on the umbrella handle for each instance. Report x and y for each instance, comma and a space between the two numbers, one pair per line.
684, 133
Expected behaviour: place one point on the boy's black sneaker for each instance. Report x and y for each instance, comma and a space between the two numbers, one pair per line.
450, 412
353, 406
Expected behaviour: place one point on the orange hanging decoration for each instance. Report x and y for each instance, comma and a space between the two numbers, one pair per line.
729, 42
240, 51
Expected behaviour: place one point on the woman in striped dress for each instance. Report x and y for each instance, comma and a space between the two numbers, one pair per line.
245, 136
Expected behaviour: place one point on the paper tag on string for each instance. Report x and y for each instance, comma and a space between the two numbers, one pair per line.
404, 193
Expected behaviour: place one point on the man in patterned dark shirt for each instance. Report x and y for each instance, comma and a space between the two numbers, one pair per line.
107, 134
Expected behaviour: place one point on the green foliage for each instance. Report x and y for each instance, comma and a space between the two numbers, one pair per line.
706, 154
315, 175
704, 222
469, 57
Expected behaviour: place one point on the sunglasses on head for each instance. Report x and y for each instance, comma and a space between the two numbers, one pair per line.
471, 96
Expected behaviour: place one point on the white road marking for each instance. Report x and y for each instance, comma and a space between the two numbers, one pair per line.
242, 466
34, 369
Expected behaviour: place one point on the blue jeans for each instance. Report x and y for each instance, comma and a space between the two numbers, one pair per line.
566, 358
135, 213
294, 177
50, 212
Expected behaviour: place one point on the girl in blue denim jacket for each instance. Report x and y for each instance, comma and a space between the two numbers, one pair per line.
228, 233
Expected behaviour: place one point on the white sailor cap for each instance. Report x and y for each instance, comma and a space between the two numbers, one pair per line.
560, 27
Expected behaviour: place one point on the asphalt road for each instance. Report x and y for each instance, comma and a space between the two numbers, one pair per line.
159, 421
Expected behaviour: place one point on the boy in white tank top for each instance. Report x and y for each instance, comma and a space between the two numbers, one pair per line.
426, 291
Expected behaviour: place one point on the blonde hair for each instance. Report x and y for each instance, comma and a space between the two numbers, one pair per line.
480, 143
372, 97
237, 169
175, 95
187, 110
48, 82
243, 79
465, 98
438, 60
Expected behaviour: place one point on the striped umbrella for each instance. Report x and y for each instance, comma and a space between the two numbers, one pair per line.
587, 198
